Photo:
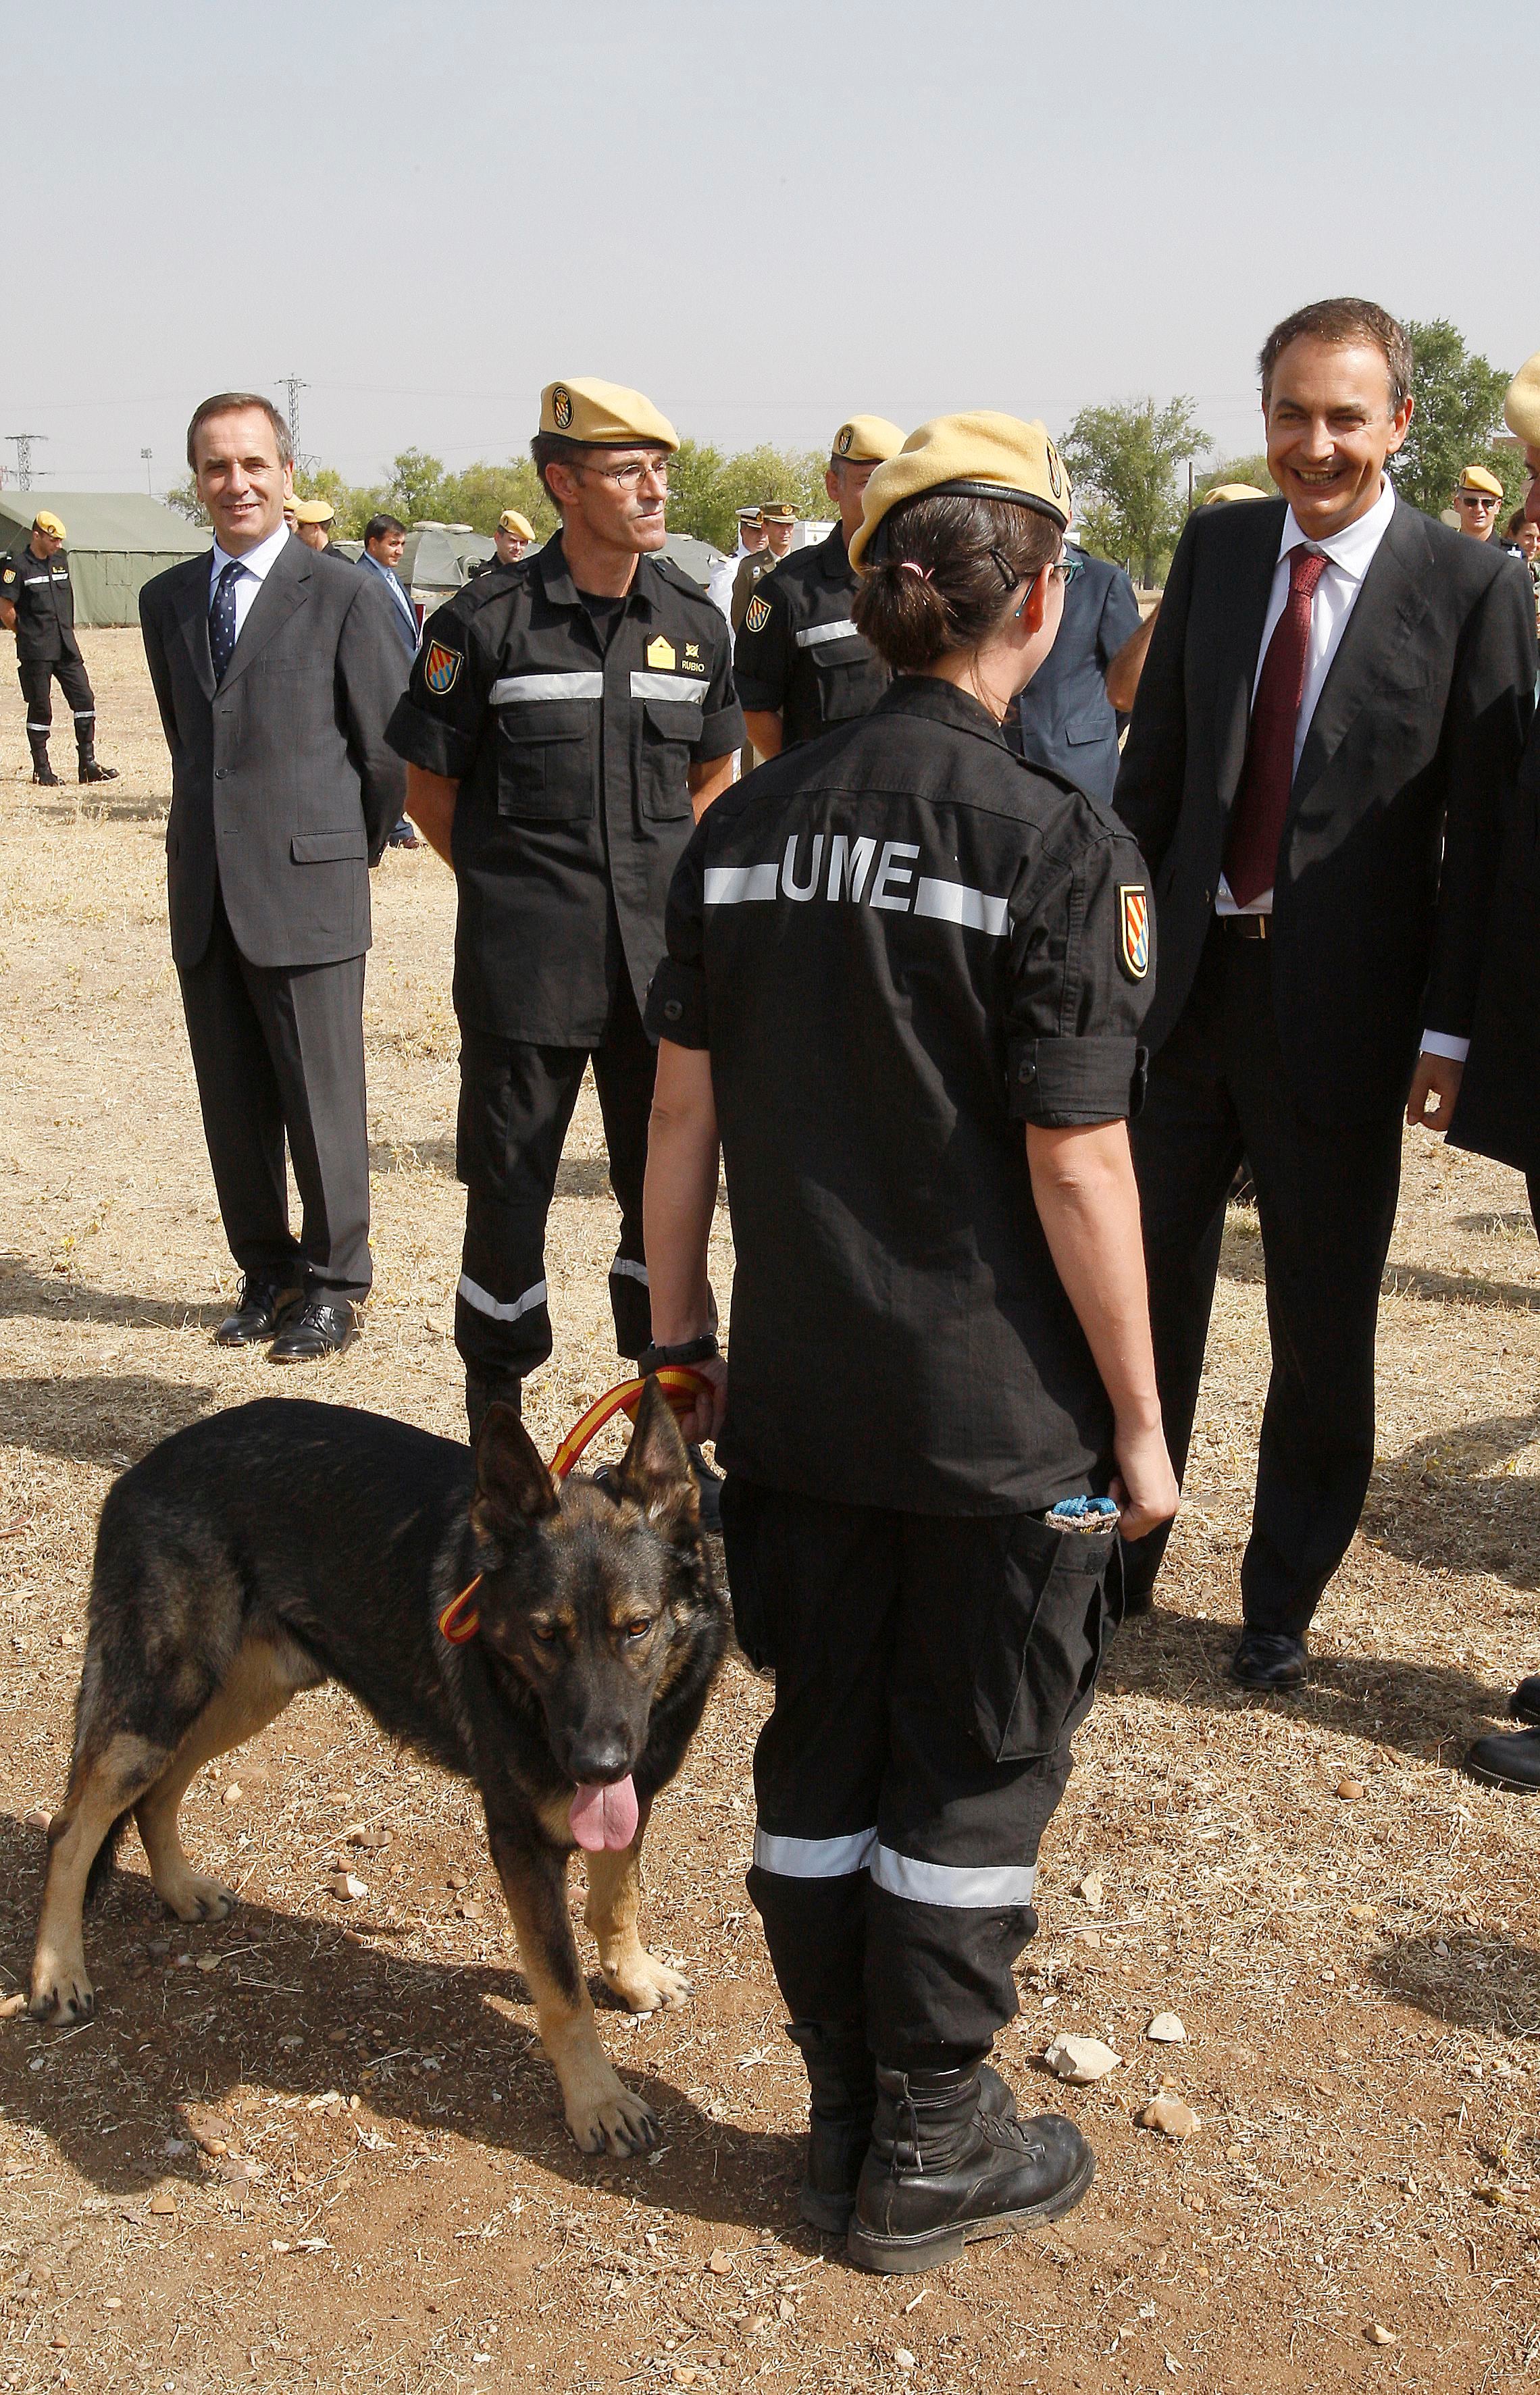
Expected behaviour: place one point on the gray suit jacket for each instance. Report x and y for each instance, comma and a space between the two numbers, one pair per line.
283, 790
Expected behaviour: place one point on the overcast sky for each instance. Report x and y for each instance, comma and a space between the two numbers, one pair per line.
766, 217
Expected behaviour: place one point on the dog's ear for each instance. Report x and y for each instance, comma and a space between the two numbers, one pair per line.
655, 1471
513, 1489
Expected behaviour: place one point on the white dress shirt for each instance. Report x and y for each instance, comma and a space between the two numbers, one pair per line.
256, 565
1348, 556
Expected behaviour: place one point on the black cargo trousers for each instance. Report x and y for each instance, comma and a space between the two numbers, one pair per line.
929, 1674
515, 1104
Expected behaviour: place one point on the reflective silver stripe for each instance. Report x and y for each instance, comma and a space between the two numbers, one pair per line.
953, 902
729, 885
624, 1269
814, 1857
485, 1302
667, 685
40, 727
814, 635
523, 690
971, 1887
85, 715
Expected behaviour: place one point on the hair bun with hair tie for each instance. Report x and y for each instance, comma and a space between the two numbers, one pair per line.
907, 565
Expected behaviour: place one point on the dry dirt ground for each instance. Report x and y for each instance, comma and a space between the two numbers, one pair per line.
316, 2148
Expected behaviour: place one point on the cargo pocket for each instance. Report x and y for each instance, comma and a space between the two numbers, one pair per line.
849, 680
742, 1537
671, 733
545, 761
1035, 1671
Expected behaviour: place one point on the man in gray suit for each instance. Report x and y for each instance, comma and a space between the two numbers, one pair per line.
276, 671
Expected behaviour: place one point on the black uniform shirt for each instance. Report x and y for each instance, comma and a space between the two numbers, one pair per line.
900, 946
572, 753
798, 650
38, 588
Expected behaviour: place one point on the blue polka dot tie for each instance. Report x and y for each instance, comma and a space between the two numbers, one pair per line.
221, 620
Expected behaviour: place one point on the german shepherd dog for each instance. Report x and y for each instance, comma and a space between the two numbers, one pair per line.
281, 1544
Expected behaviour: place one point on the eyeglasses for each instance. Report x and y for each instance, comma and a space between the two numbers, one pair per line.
629, 476
1067, 567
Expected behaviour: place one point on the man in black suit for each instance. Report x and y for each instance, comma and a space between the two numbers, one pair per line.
1336, 700
275, 670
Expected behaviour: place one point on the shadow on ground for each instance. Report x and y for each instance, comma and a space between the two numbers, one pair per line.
1241, 1259
107, 2094
57, 1297
1453, 1502
123, 810
580, 1176
1428, 1710
1472, 1979
102, 1418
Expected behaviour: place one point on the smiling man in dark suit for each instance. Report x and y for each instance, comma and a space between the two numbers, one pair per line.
1335, 701
275, 670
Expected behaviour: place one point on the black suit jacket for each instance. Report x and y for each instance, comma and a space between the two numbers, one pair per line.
283, 788
1390, 839
1497, 1112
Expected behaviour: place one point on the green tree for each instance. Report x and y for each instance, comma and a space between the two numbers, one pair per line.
1455, 422
417, 486
479, 495
707, 486
1123, 460
184, 498
1252, 469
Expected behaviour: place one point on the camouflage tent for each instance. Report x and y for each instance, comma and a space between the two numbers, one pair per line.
117, 541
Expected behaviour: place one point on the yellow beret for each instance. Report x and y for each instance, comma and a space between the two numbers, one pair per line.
1222, 492
43, 521
981, 456
777, 511
604, 416
511, 521
867, 440
1476, 478
1522, 406
317, 511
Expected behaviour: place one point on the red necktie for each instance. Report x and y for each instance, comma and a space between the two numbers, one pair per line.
1262, 801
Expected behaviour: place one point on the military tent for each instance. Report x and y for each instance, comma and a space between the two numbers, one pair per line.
115, 541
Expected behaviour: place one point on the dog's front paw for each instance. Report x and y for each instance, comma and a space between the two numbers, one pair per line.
194, 1898
61, 1991
615, 2123
643, 1984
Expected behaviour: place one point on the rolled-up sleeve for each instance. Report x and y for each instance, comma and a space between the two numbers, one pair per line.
721, 725
1082, 972
676, 1006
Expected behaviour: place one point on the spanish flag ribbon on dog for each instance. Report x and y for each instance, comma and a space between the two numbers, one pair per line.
680, 1383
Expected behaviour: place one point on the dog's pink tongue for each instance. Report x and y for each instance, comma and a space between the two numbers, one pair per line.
605, 1816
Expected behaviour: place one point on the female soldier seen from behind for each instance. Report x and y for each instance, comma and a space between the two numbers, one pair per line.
905, 980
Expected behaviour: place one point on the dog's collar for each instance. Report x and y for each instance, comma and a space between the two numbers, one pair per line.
460, 1620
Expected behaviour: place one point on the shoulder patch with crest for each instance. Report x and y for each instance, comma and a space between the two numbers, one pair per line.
441, 668
1133, 929
757, 615
9, 574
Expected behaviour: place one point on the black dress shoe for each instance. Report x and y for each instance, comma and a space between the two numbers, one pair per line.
1270, 1659
322, 1327
262, 1306
1508, 1758
1524, 1703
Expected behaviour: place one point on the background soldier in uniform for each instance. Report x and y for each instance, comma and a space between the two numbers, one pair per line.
509, 541
38, 604
566, 720
750, 538
779, 522
800, 664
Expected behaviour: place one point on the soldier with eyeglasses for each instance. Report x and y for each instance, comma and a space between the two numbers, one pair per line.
569, 721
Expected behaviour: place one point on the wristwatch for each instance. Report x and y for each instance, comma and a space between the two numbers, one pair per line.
688, 1351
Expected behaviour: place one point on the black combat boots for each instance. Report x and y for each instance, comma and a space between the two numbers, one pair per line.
942, 2170
841, 2078
86, 768
42, 772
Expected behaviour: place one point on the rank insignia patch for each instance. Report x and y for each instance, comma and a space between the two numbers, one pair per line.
1133, 929
758, 615
692, 649
561, 406
663, 654
440, 667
